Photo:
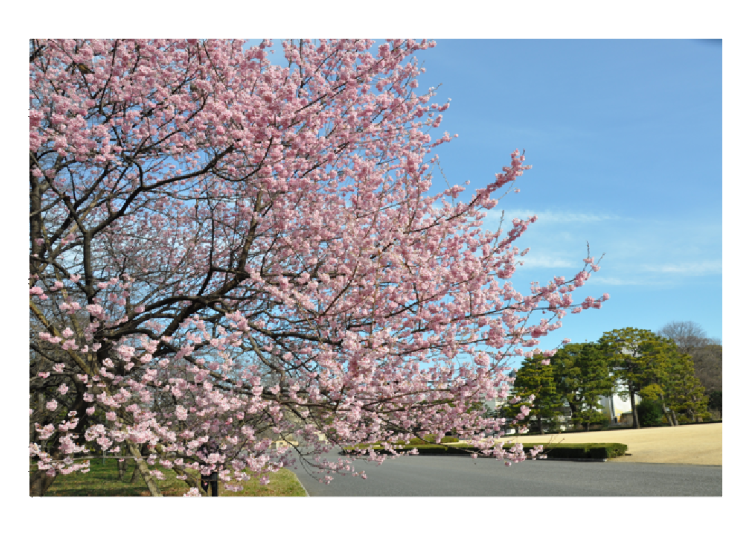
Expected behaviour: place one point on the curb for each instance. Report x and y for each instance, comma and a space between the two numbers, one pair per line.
300, 484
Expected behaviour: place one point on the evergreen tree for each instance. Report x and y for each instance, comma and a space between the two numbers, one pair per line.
634, 358
652, 367
659, 373
685, 394
538, 379
582, 376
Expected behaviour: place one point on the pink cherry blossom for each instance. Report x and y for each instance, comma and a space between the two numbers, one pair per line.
259, 259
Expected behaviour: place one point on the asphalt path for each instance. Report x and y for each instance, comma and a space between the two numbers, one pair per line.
458, 476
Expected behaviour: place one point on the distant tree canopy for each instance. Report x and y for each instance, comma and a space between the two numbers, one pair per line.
628, 362
687, 335
706, 352
707, 360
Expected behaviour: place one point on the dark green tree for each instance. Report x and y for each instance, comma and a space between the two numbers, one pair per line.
685, 393
660, 374
673, 381
582, 376
649, 413
636, 360
538, 379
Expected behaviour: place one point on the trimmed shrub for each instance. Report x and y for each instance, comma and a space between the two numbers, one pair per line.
649, 413
562, 451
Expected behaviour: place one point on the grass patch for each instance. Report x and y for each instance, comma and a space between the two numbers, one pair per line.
103, 481
428, 440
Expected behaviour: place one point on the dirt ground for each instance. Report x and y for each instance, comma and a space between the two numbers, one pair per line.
698, 444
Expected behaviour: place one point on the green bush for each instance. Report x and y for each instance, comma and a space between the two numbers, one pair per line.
583, 450
561, 451
649, 413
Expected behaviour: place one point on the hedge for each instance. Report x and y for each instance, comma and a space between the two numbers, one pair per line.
560, 451
586, 450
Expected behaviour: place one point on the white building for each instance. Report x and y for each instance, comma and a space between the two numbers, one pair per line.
616, 407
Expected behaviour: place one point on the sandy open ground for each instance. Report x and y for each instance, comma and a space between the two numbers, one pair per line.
697, 444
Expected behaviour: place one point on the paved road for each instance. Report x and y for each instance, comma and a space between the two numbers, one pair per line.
441, 476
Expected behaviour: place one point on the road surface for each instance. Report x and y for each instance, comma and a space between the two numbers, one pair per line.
440, 476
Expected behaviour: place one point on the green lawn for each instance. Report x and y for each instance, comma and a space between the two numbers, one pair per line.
103, 481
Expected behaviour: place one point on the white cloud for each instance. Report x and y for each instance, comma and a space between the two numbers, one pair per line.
688, 268
545, 261
547, 216
618, 281
642, 252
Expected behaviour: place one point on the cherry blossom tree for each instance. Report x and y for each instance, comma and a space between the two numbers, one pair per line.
223, 249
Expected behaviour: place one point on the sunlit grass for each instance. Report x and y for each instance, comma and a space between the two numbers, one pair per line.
103, 481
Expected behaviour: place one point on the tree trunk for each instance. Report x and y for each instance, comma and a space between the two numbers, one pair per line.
122, 466
136, 472
674, 417
668, 415
541, 425
143, 467
636, 424
693, 414
665, 411
39, 483
574, 408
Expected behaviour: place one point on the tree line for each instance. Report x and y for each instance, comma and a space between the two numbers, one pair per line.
675, 372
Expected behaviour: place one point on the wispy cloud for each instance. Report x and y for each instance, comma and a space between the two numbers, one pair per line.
688, 268
640, 252
620, 281
545, 261
546, 216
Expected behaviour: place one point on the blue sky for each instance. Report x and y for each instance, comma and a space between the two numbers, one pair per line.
625, 142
